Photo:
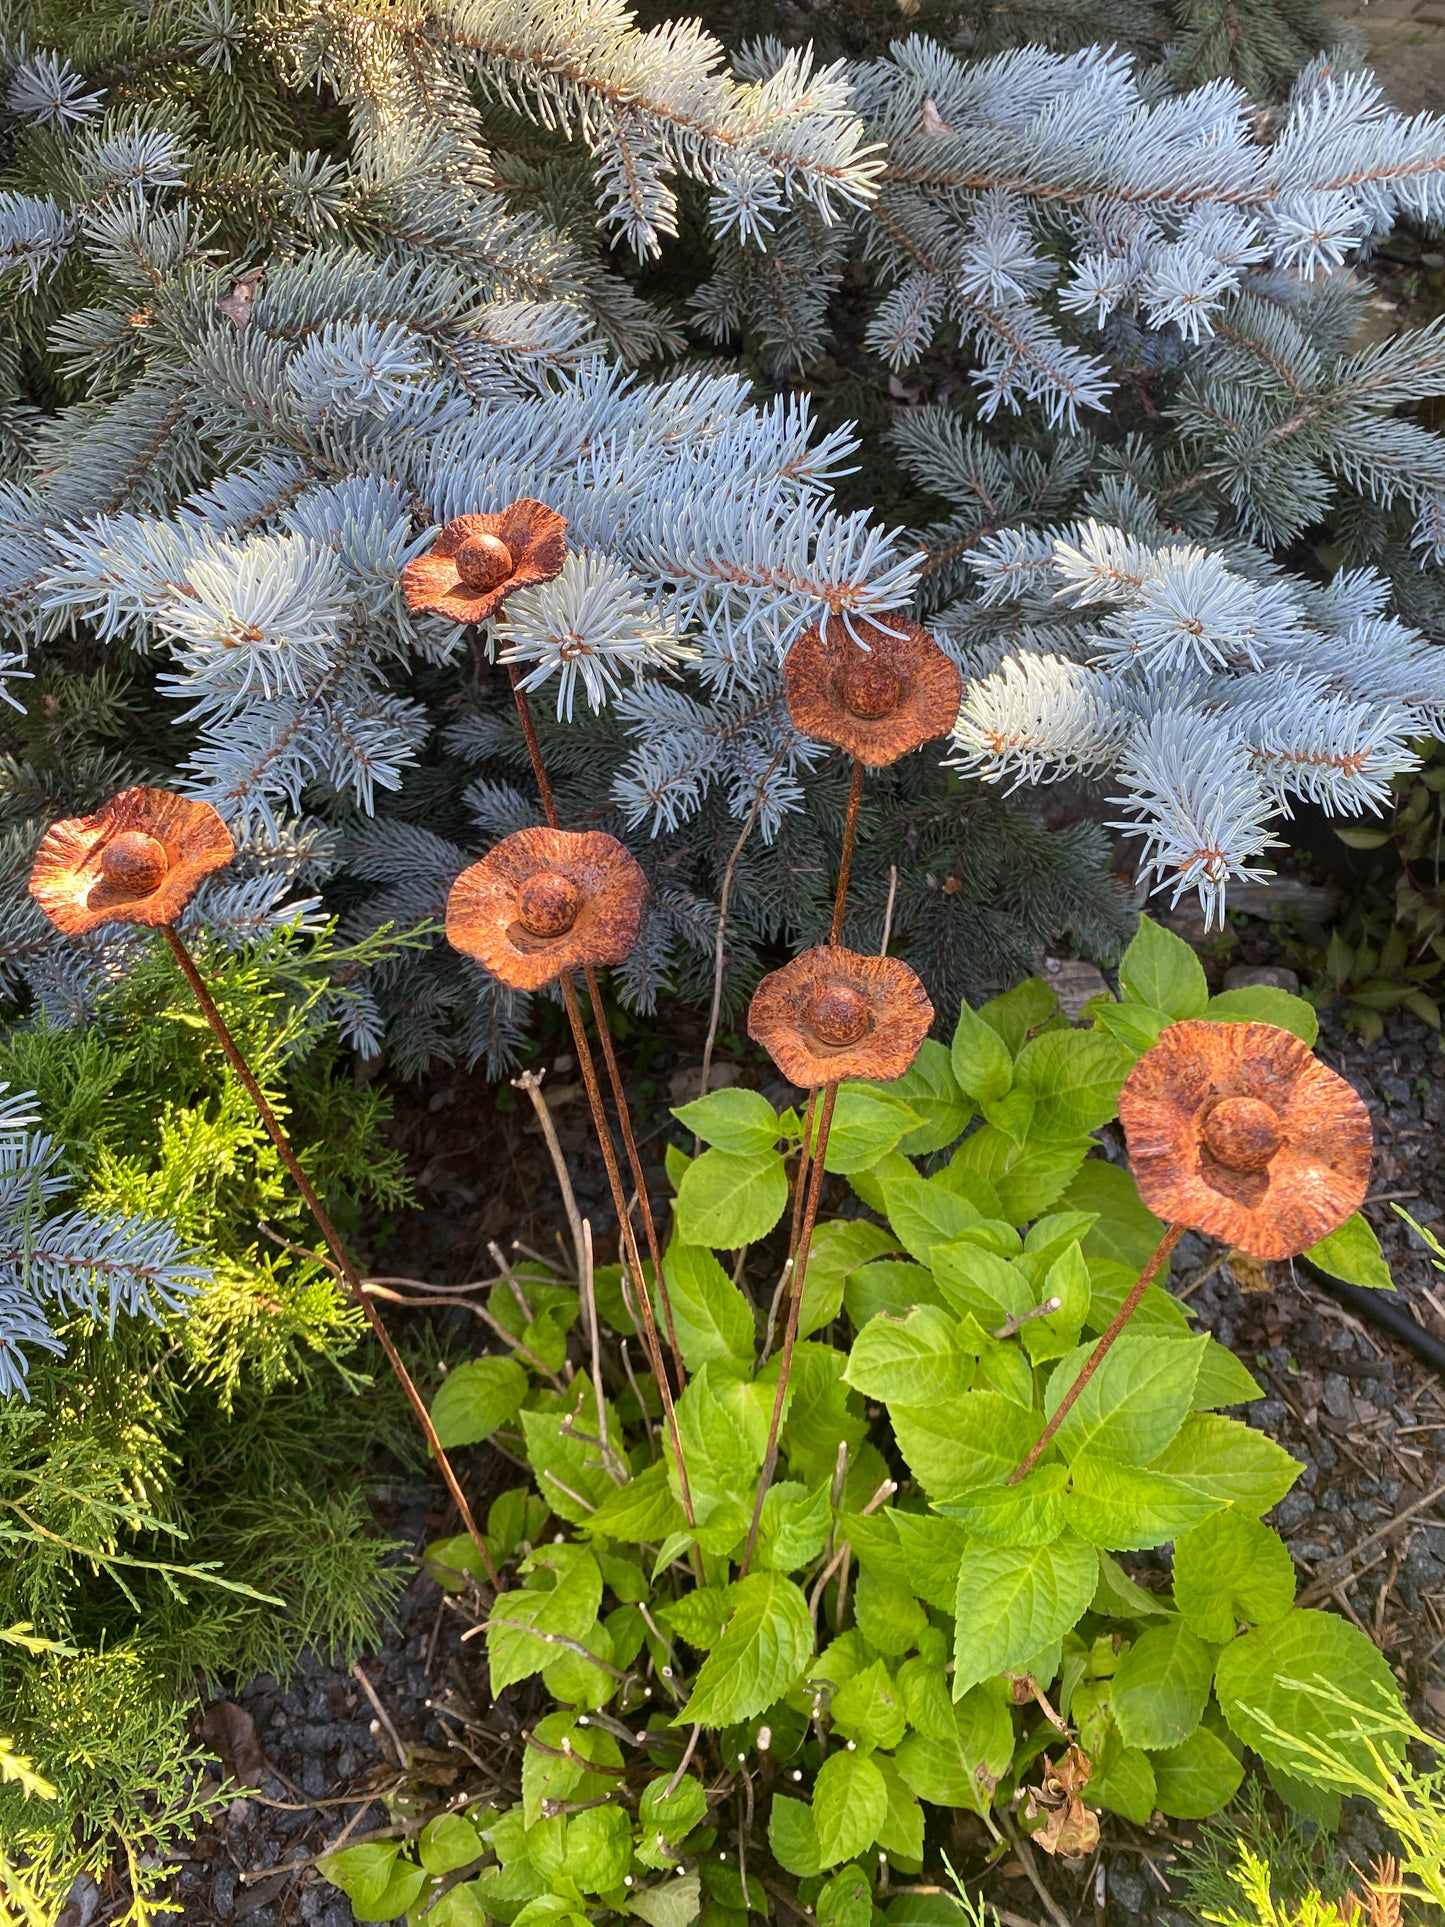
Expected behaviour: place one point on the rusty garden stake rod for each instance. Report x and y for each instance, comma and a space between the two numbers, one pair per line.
328, 1231
614, 1075
1100, 1352
802, 1238
629, 1237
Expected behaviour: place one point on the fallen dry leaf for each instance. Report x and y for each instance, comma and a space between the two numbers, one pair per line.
230, 1732
239, 299
1058, 1820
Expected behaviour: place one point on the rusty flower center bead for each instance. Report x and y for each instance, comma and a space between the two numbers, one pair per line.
482, 562
134, 861
1242, 1133
870, 689
839, 1016
548, 904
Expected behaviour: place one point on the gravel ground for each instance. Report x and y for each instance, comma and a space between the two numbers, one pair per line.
1364, 1416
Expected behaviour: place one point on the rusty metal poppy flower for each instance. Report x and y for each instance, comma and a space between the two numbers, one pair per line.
877, 702
137, 860
832, 1014
478, 560
547, 900
1240, 1131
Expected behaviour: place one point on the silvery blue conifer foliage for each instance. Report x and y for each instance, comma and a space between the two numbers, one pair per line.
59, 1265
266, 437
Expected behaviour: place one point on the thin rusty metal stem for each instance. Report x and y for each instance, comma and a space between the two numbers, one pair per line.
534, 747
634, 1161
603, 1130
790, 1335
1100, 1352
328, 1231
845, 859
631, 1255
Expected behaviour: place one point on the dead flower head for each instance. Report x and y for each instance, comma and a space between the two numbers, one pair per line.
1059, 1821
544, 901
1240, 1131
877, 702
478, 560
832, 1014
137, 860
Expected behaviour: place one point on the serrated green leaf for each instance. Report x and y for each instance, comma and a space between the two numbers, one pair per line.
521, 1619
767, 1642
932, 1550
868, 1708
642, 1510
912, 1360
1075, 1076
1013, 1601
1353, 1253
839, 1247
476, 1397
982, 1062
868, 1122
959, 1443
1026, 1007
850, 1803
960, 1768
1300, 1689
1161, 1686
1232, 1568
712, 1317
1136, 1027
1030, 1513
1229, 1460
727, 1199
901, 1834
1124, 1228
1135, 1402
895, 1285
1127, 1508
930, 1088
1160, 969
1196, 1779
925, 1213
1124, 1783
793, 1837
1266, 1004
735, 1120
1222, 1380
793, 1526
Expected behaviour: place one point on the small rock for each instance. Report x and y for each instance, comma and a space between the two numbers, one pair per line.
223, 1892
1434, 262
1272, 976
1126, 1891
1293, 1509
682, 1085
1338, 1402
1073, 982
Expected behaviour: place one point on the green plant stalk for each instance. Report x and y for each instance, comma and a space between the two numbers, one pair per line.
351, 1277
1100, 1352
614, 1075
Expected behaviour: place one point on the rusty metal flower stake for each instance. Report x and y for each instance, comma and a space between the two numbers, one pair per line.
541, 904
139, 860
1237, 1130
546, 902
877, 693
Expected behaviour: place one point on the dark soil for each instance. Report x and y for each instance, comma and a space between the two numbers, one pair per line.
1364, 1416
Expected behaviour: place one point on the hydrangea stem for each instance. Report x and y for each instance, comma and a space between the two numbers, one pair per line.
278, 1137
1100, 1352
